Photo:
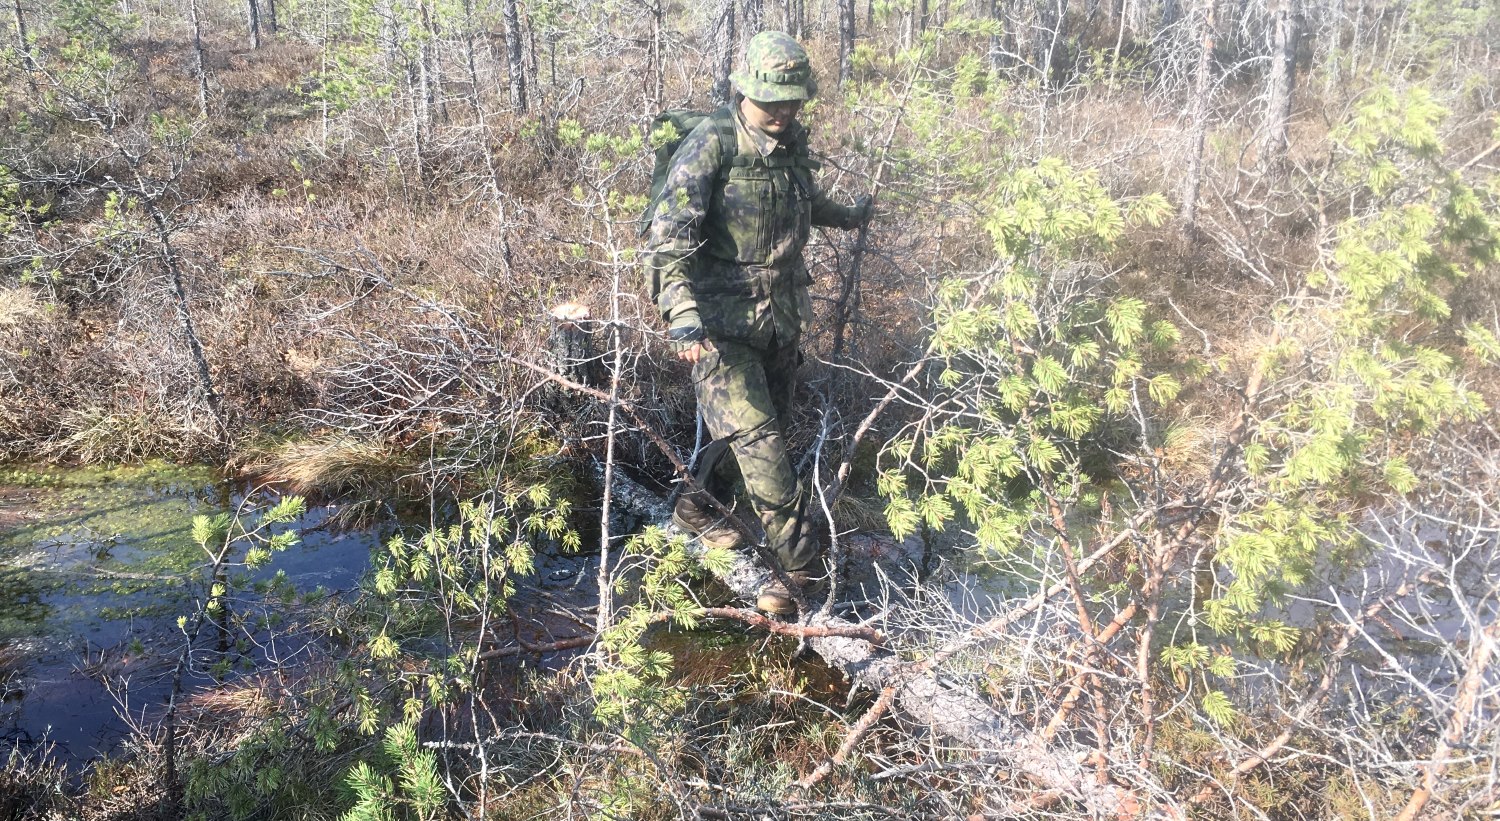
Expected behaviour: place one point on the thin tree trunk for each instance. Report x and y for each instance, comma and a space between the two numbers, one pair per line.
657, 91
432, 54
252, 7
1051, 18
1333, 53
471, 63
533, 66
198, 68
172, 264
724, 60
1356, 38
324, 41
23, 41
1114, 59
846, 310
502, 223
272, 22
514, 57
422, 90
997, 41
1281, 83
846, 40
606, 613
755, 17
1193, 181
418, 117
1170, 11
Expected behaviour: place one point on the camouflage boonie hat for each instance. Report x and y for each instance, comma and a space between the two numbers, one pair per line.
776, 69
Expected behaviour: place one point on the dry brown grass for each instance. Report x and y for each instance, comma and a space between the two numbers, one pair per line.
17, 305
334, 466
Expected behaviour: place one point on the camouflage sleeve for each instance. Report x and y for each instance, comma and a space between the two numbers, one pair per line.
676, 226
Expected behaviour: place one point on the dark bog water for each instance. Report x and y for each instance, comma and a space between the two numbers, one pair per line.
97, 565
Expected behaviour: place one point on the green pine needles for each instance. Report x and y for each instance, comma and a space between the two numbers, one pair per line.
1060, 398
412, 791
630, 692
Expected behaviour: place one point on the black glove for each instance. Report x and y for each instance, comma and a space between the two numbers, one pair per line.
864, 210
685, 337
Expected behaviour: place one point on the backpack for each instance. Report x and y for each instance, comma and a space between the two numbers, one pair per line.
683, 121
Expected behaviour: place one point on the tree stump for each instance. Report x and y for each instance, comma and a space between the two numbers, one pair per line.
571, 353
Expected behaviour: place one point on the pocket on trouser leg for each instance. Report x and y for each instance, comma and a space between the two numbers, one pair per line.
795, 548
781, 379
733, 396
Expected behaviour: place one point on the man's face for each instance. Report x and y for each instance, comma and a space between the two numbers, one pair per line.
772, 118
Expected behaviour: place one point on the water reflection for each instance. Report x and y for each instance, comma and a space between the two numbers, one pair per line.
96, 566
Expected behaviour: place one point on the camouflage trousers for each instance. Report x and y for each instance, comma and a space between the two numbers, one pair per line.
743, 395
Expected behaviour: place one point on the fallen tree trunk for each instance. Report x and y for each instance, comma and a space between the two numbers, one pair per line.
922, 695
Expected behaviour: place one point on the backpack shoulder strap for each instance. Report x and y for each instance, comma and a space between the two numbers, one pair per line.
729, 141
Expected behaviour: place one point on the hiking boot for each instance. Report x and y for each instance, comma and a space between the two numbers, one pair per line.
777, 600
705, 524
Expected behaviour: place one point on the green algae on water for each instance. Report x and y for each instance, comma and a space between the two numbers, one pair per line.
101, 542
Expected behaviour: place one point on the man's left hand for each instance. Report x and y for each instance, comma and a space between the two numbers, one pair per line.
693, 353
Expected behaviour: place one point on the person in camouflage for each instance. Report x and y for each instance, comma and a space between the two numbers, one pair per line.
726, 271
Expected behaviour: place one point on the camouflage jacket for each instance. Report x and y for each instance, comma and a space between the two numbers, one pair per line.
726, 248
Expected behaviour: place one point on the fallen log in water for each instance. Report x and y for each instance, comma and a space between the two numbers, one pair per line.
923, 696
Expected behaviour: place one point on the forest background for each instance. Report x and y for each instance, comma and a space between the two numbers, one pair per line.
1171, 350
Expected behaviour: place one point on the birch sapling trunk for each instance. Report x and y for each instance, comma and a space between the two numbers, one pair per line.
1193, 182
846, 40
198, 61
252, 8
1281, 82
658, 81
437, 103
416, 93
422, 94
1052, 17
514, 57
1114, 59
